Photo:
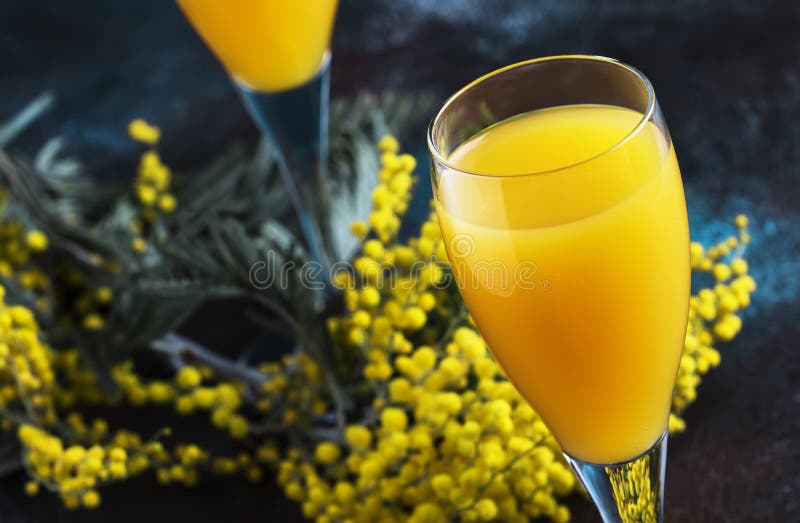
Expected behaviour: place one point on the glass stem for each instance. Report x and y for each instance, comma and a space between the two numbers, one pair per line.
627, 492
295, 121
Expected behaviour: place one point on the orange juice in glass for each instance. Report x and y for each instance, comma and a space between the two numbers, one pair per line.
562, 209
269, 45
277, 53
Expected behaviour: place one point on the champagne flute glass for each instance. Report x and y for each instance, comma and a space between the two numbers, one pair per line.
562, 210
277, 53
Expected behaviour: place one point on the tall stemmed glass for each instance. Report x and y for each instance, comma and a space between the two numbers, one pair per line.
277, 53
561, 204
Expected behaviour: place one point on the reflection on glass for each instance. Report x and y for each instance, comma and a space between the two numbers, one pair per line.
561, 204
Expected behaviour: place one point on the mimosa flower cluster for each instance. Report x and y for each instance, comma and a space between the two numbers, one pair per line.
431, 431
713, 312
74, 457
152, 183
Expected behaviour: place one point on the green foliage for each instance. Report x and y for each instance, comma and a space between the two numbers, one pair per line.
230, 215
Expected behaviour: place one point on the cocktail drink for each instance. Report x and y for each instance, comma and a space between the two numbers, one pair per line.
268, 45
561, 205
277, 53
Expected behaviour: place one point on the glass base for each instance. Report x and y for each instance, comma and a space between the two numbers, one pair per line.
627, 492
295, 122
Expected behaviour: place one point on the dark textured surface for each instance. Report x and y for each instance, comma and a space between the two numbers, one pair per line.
727, 75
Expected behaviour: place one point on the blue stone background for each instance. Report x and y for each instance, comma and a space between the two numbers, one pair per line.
727, 76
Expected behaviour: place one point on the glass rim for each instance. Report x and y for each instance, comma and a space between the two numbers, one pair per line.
646, 116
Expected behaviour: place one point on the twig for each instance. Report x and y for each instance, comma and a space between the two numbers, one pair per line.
12, 128
338, 396
456, 320
312, 433
182, 350
488, 483
340, 399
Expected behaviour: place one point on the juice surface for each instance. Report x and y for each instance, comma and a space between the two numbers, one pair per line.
269, 45
590, 317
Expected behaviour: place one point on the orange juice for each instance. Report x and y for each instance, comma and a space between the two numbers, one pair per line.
269, 45
589, 320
